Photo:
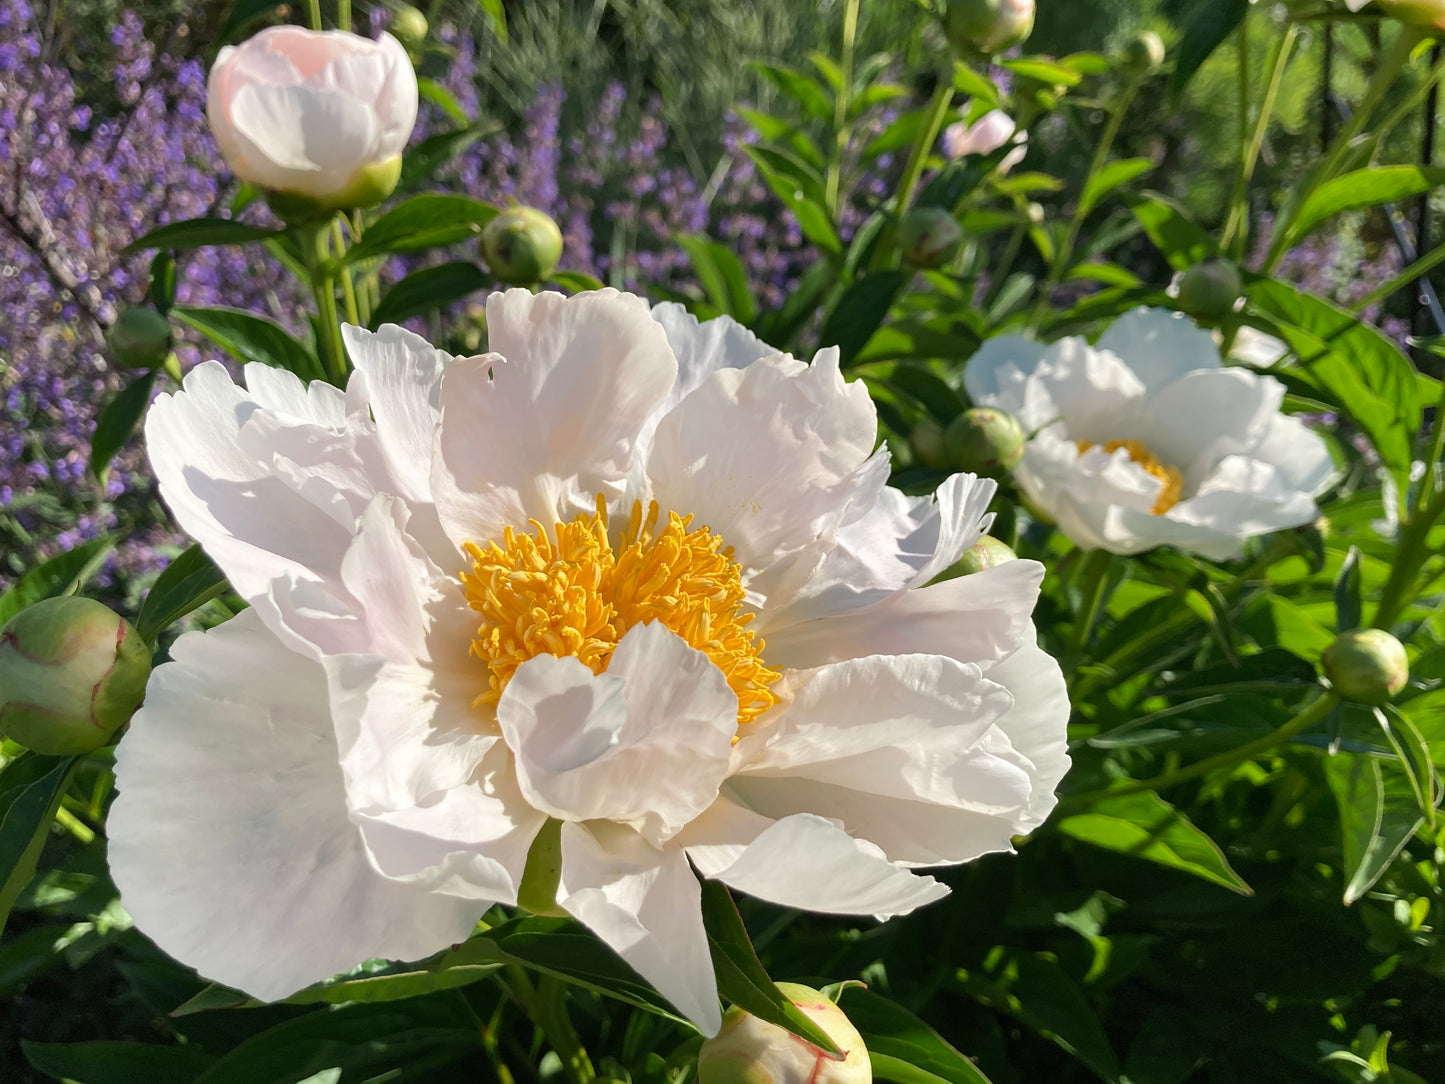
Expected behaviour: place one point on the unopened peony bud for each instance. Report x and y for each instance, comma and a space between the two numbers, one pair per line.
926, 442
522, 245
751, 1051
1211, 289
409, 27
929, 237
315, 120
988, 26
140, 338
988, 553
1366, 665
1144, 53
71, 673
984, 441
1422, 13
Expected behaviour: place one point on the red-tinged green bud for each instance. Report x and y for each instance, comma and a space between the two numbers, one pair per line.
988, 26
72, 672
543, 872
1422, 13
926, 441
988, 553
1144, 53
367, 187
409, 27
985, 441
751, 1051
928, 237
1210, 289
1366, 665
140, 338
522, 245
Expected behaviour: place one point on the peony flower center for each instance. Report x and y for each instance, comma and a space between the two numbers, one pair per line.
573, 593
1172, 481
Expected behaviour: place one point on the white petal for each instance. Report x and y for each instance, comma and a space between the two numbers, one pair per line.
1037, 723
1206, 415
647, 905
541, 433
1245, 497
646, 743
1297, 452
996, 374
978, 618
279, 390
1160, 346
702, 348
295, 139
229, 839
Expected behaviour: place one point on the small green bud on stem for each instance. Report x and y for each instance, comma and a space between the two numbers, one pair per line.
984, 441
1367, 666
522, 245
751, 1051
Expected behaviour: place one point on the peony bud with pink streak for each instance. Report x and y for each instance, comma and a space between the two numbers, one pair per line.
984, 136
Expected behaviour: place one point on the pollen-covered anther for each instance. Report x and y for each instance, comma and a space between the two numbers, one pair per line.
571, 593
1170, 478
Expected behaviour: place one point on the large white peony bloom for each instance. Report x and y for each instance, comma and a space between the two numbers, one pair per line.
1146, 441
630, 572
318, 114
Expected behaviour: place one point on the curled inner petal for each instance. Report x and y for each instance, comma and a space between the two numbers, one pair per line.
1170, 478
571, 592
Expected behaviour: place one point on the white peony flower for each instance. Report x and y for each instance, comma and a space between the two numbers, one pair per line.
984, 136
323, 115
1146, 441
635, 573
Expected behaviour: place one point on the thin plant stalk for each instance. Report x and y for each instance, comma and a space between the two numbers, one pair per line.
1238, 203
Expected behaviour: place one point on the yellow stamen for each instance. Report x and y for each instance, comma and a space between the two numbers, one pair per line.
573, 594
1172, 481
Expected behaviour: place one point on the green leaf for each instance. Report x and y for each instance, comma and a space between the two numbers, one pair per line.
1145, 826
575, 282
248, 337
958, 179
1349, 608
904, 1042
1209, 23
28, 810
814, 99
187, 583
444, 100
741, 978
428, 289
496, 14
722, 277
243, 13
117, 1062
802, 195
1378, 815
118, 421
1361, 189
1181, 241
421, 223
861, 310
201, 233
422, 161
1413, 753
61, 575
1114, 175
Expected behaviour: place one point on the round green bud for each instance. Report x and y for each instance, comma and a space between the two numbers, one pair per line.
988, 553
1366, 665
752, 1051
1036, 213
1210, 289
1144, 53
72, 672
1423, 13
929, 237
984, 441
988, 26
409, 26
543, 872
522, 245
140, 338
926, 441
367, 187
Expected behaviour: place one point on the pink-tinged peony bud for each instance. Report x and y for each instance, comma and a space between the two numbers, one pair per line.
988, 26
315, 120
72, 671
1423, 13
987, 553
1366, 665
984, 136
752, 1051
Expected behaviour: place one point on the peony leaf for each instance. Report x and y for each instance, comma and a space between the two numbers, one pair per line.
421, 223
1181, 241
1378, 815
428, 289
201, 233
117, 1062
118, 421
901, 1046
1209, 23
860, 311
248, 337
187, 583
1361, 189
30, 792
61, 575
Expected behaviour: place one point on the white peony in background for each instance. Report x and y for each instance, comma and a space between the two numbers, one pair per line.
634, 573
1145, 440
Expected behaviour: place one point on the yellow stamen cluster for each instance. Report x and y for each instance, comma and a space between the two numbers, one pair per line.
573, 594
1172, 481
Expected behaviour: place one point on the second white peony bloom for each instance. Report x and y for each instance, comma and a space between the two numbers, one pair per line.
984, 136
630, 573
1145, 440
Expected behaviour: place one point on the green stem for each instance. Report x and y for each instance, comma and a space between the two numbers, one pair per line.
842, 104
999, 274
1239, 201
1420, 267
343, 15
913, 169
314, 10
1410, 556
1408, 104
548, 1008
348, 286
322, 274
1095, 577
1242, 73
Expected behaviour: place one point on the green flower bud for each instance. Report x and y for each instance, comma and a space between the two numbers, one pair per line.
988, 553
985, 441
368, 186
751, 1051
522, 245
543, 872
409, 27
1366, 665
140, 338
1423, 13
1210, 289
1144, 53
72, 671
988, 26
929, 237
926, 441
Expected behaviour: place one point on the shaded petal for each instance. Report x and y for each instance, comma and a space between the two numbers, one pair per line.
702, 348
1245, 497
1040, 385
296, 139
1207, 415
229, 839
997, 373
1160, 346
1037, 723
1297, 452
647, 905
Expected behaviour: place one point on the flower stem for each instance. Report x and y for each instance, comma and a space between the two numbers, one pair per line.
322, 273
913, 169
1065, 256
343, 14
348, 287
842, 104
314, 10
1238, 204
1095, 577
1410, 557
546, 1004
